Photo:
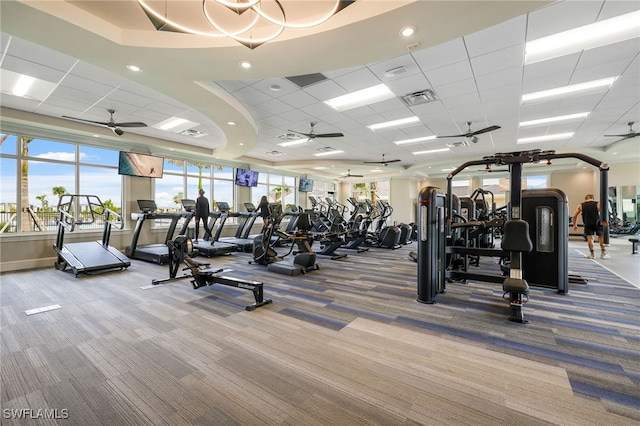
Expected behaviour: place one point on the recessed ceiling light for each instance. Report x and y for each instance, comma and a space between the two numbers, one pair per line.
231, 123
175, 124
134, 68
274, 88
555, 119
23, 85
430, 151
394, 123
573, 88
415, 140
320, 168
407, 31
241, 144
608, 31
544, 138
363, 97
245, 64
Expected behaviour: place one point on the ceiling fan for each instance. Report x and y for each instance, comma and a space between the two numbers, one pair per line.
472, 134
383, 162
312, 135
629, 135
348, 175
112, 124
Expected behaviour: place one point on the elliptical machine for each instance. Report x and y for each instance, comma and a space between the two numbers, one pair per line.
304, 259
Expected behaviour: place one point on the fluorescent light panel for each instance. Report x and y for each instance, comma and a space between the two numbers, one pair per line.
430, 151
555, 119
545, 138
25, 86
296, 142
394, 123
608, 31
322, 154
415, 140
363, 97
175, 124
565, 90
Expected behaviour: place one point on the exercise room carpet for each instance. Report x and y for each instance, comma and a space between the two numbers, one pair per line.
345, 345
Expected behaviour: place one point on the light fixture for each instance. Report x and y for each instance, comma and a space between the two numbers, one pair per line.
134, 68
332, 152
394, 123
363, 97
608, 31
295, 142
430, 151
415, 140
556, 119
23, 85
554, 137
573, 88
175, 124
407, 31
249, 22
245, 65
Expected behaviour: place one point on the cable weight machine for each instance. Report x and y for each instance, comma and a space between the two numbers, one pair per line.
436, 225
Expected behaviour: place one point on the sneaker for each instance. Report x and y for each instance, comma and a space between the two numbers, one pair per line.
591, 256
605, 255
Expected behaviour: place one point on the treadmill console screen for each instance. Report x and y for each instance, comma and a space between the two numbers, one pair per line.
223, 206
188, 204
147, 206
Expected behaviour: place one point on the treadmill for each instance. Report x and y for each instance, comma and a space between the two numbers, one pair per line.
244, 244
208, 247
92, 256
159, 252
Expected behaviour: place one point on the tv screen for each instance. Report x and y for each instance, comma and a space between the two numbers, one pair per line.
246, 177
132, 164
305, 185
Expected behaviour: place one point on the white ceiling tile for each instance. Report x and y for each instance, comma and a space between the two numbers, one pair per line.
449, 74
442, 55
506, 34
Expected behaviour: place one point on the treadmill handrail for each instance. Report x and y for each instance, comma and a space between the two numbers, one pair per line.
113, 218
66, 220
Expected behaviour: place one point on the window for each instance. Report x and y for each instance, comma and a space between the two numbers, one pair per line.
36, 172
277, 188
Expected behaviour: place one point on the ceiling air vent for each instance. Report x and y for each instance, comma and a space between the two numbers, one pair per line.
422, 97
306, 79
326, 149
289, 137
458, 144
395, 71
193, 133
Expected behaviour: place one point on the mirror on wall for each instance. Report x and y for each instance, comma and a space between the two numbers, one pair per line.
624, 209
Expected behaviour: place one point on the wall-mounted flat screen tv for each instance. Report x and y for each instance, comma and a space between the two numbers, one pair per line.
133, 164
305, 185
246, 177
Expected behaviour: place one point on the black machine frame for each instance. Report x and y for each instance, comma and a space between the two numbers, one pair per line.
93, 256
435, 219
202, 275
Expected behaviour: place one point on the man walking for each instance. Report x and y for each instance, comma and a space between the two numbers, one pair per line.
590, 211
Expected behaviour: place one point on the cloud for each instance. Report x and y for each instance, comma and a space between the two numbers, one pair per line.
61, 156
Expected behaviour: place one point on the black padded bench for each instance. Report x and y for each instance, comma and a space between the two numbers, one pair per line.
635, 242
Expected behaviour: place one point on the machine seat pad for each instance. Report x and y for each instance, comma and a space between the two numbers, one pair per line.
515, 286
516, 236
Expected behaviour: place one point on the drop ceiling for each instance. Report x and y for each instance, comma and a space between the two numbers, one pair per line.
469, 55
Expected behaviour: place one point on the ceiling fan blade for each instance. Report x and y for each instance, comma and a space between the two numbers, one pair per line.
101, 123
485, 130
348, 176
309, 135
329, 135
131, 124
